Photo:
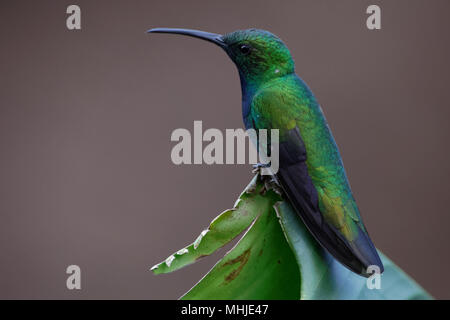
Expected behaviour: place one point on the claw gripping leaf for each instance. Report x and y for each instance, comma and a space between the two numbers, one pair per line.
277, 258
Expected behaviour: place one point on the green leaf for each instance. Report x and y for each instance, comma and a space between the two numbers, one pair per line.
260, 266
277, 258
221, 231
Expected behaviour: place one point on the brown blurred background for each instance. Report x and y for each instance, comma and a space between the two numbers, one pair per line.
86, 117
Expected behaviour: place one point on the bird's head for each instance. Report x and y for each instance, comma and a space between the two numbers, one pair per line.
258, 54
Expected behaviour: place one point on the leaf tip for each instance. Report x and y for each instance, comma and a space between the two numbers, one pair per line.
154, 268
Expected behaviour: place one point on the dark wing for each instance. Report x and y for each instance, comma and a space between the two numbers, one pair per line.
357, 254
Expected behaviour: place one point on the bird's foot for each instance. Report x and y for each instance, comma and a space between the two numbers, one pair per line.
257, 167
271, 183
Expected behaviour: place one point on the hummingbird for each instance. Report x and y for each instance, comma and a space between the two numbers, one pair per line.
311, 172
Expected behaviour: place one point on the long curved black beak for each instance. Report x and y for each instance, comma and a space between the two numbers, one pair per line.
208, 36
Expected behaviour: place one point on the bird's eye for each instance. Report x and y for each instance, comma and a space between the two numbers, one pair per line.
245, 49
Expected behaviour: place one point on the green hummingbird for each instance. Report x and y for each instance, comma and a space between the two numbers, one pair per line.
311, 172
